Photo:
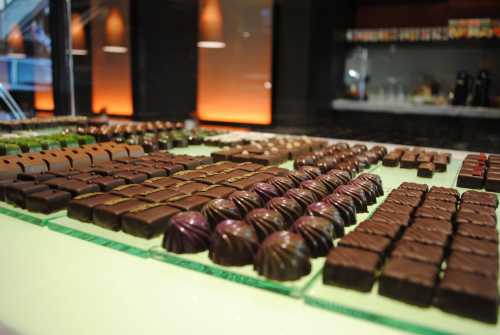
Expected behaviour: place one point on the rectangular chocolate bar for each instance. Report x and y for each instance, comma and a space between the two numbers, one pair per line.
470, 178
107, 183
217, 191
444, 227
131, 190
379, 228
478, 219
440, 205
409, 281
76, 187
441, 197
480, 198
469, 295
426, 170
475, 246
148, 221
108, 215
395, 208
419, 252
432, 213
445, 190
161, 182
403, 200
409, 160
478, 209
467, 262
48, 201
189, 202
368, 242
159, 195
423, 236
351, 268
190, 187
189, 175
81, 207
478, 232
414, 186
16, 192
132, 177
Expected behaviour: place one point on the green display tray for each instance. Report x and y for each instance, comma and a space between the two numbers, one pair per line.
38, 219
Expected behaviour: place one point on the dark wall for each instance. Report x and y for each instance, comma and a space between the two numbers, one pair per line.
164, 34
305, 78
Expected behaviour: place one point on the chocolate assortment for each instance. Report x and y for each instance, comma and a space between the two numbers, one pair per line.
425, 247
480, 171
426, 162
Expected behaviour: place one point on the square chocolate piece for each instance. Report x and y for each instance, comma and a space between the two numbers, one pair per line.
16, 192
426, 170
80, 208
161, 182
478, 219
467, 262
391, 218
190, 187
480, 198
419, 252
470, 179
431, 213
492, 183
478, 232
409, 161
391, 159
409, 281
189, 202
131, 190
108, 215
474, 246
425, 237
440, 162
469, 295
48, 201
107, 183
159, 195
379, 228
217, 191
351, 268
395, 208
368, 242
444, 227
478, 209
414, 186
407, 193
148, 221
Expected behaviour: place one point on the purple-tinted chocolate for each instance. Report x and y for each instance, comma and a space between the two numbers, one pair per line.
317, 232
265, 222
329, 212
265, 191
302, 196
234, 243
288, 208
187, 232
246, 201
217, 210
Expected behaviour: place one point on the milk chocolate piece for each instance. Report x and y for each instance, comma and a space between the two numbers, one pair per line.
474, 246
108, 215
187, 232
283, 256
234, 243
408, 281
445, 190
131, 190
469, 295
317, 232
275, 170
480, 198
477, 219
423, 236
16, 192
189, 202
414, 186
379, 228
441, 197
161, 182
311, 171
478, 232
399, 219
344, 175
395, 208
148, 221
409, 161
470, 179
48, 201
484, 210
107, 183
391, 159
441, 226
419, 252
39, 176
351, 268
406, 193
467, 262
190, 187
403, 200
132, 177
76, 187
265, 222
249, 166
431, 213
189, 175
440, 205
81, 207
359, 240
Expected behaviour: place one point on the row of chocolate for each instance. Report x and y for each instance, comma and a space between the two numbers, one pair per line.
431, 248
478, 171
58, 160
14, 145
426, 162
342, 156
50, 191
269, 152
41, 123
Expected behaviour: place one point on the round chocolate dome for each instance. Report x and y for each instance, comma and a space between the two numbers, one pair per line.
187, 232
234, 243
245, 201
289, 209
265, 222
329, 212
316, 187
302, 196
217, 210
317, 232
265, 191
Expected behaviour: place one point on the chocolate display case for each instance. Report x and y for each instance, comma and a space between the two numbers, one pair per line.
368, 306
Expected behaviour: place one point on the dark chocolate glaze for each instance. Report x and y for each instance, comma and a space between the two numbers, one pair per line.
217, 210
265, 191
288, 208
265, 222
330, 181
317, 232
282, 184
311, 171
369, 188
316, 187
234, 243
357, 194
345, 205
329, 212
283, 256
298, 176
245, 201
342, 175
187, 232
374, 178
302, 196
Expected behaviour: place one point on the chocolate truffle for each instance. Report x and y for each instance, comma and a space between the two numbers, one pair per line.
298, 176
357, 195
234, 243
330, 182
282, 184
245, 201
345, 205
288, 208
341, 174
311, 171
283, 256
316, 187
369, 188
187, 232
302, 196
374, 178
217, 210
265, 191
265, 222
330, 213
317, 232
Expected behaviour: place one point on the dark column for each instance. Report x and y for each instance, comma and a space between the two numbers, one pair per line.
61, 75
164, 58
